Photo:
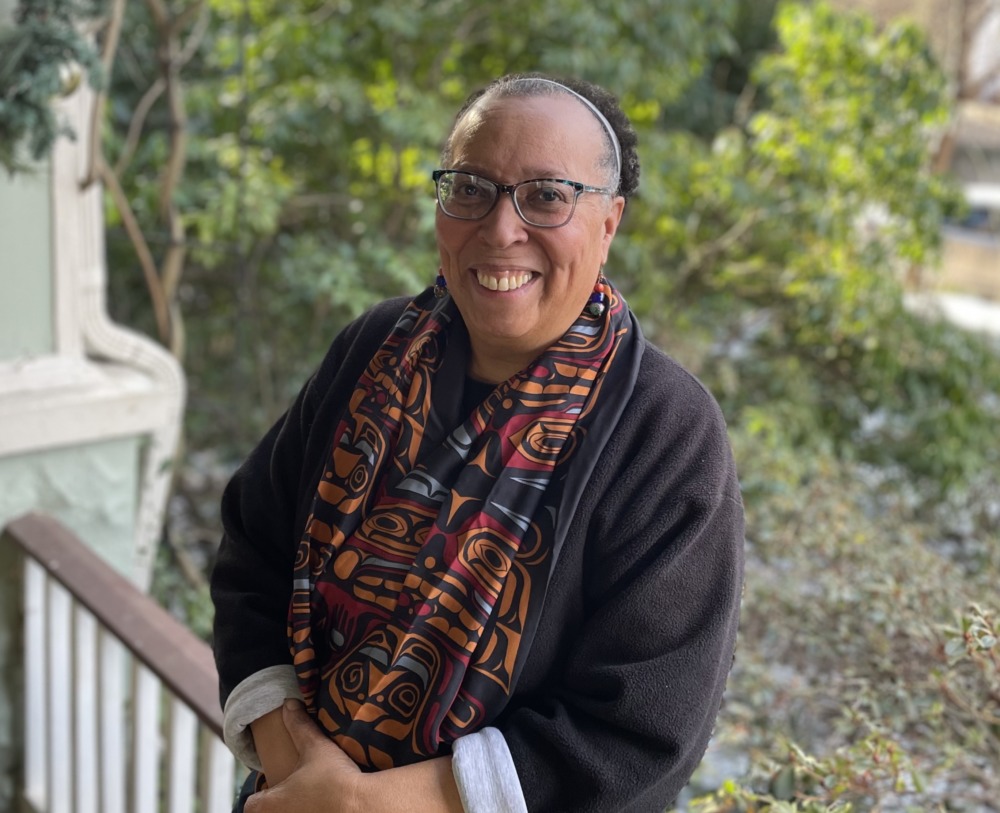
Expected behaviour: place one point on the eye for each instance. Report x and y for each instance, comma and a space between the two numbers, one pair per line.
464, 188
548, 194
469, 189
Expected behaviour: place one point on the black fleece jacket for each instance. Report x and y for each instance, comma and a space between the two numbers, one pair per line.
619, 692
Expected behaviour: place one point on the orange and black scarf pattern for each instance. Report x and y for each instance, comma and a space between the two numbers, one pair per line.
421, 572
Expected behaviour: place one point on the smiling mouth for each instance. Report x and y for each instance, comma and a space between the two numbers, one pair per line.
505, 282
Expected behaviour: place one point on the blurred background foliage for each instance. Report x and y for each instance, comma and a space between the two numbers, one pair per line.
276, 156
35, 58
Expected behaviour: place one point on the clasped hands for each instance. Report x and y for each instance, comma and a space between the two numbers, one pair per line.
324, 780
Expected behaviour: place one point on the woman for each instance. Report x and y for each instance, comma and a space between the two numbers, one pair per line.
495, 545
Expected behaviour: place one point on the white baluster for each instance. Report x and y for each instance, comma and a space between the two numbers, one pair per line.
60, 679
183, 759
220, 776
146, 742
113, 758
86, 713
35, 681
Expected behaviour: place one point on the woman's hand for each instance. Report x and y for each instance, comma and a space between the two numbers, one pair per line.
324, 780
277, 753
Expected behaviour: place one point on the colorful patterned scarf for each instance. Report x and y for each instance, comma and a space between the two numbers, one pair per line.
421, 572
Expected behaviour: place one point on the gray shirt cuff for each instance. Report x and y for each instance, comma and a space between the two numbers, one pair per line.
481, 762
485, 774
254, 697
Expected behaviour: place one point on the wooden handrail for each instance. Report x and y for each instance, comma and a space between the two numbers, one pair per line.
181, 660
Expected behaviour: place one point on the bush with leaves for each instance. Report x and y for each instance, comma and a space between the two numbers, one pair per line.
868, 670
42, 56
787, 236
307, 194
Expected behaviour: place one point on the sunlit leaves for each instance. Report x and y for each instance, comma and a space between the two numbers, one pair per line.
315, 124
802, 224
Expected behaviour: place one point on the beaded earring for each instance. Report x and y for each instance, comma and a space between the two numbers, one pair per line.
598, 299
440, 286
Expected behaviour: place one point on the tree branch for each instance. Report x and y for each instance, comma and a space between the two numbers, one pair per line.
161, 17
720, 244
194, 40
114, 29
136, 124
180, 22
171, 58
145, 256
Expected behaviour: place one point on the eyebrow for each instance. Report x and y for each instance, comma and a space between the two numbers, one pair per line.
538, 173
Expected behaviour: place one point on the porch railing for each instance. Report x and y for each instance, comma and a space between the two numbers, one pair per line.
121, 710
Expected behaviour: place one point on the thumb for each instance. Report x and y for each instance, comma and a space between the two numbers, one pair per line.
264, 801
300, 726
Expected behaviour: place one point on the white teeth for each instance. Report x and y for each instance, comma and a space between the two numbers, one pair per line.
508, 282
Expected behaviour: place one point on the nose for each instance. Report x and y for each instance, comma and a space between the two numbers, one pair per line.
503, 226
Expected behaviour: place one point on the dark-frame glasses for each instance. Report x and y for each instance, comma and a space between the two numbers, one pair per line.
544, 202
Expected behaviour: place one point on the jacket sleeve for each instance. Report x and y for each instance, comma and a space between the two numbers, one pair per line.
262, 509
629, 718
251, 580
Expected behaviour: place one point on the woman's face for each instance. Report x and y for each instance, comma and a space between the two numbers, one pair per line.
549, 274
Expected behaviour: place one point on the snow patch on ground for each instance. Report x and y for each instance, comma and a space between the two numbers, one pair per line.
966, 311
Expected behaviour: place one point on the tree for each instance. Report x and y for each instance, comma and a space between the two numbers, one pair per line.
796, 223
307, 194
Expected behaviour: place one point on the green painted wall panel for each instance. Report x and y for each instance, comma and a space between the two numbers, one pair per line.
92, 489
25, 265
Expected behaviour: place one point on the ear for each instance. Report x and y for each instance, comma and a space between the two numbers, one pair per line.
610, 224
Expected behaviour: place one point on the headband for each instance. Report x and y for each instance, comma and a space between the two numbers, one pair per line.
593, 109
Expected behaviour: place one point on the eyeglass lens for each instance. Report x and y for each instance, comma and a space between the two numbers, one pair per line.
540, 203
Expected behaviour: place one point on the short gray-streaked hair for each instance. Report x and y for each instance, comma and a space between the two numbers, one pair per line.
535, 85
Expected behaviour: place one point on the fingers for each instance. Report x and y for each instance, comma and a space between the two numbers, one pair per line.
324, 779
258, 803
303, 731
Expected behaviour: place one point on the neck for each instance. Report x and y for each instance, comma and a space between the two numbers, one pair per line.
494, 368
